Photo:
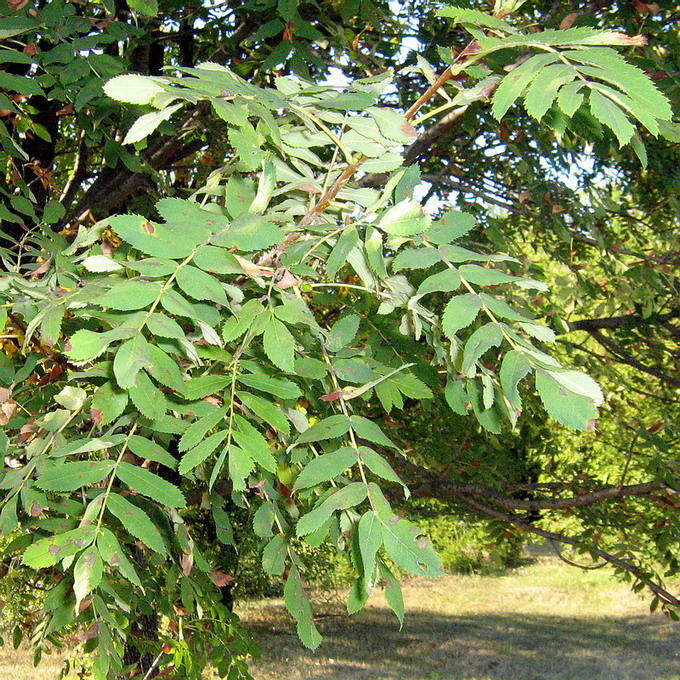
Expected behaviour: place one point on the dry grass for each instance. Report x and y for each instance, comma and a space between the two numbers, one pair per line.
542, 622
545, 621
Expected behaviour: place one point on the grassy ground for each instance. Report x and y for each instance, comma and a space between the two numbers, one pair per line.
546, 621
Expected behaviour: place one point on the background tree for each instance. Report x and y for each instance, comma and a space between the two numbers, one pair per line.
255, 341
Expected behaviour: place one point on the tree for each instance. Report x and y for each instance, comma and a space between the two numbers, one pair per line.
220, 288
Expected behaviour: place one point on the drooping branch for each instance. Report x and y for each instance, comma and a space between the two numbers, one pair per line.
625, 565
629, 321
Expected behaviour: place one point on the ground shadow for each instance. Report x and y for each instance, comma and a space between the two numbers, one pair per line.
475, 647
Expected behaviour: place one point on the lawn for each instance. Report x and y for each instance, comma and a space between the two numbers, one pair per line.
545, 621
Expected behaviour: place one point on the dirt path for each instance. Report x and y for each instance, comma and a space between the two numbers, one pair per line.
543, 622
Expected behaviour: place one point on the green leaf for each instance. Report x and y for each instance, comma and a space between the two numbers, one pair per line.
346, 497
149, 450
199, 453
253, 442
480, 341
131, 357
148, 399
450, 226
279, 345
346, 242
274, 555
147, 7
416, 258
145, 482
370, 540
131, 295
307, 367
543, 90
48, 551
164, 370
611, 115
110, 401
446, 282
136, 522
572, 410
331, 427
171, 240
300, 609
87, 573
205, 386
217, 261
343, 332
579, 383
198, 429
460, 312
515, 83
369, 430
406, 218
72, 476
249, 233
85, 345
393, 594
326, 467
456, 396
379, 466
570, 97
242, 321
147, 124
405, 544
264, 409
483, 276
200, 285
393, 125
113, 555
279, 387
514, 367
240, 466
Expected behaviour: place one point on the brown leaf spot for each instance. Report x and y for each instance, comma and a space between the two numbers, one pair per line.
36, 509
148, 227
54, 550
568, 21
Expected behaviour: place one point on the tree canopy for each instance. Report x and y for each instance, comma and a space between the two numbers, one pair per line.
309, 261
